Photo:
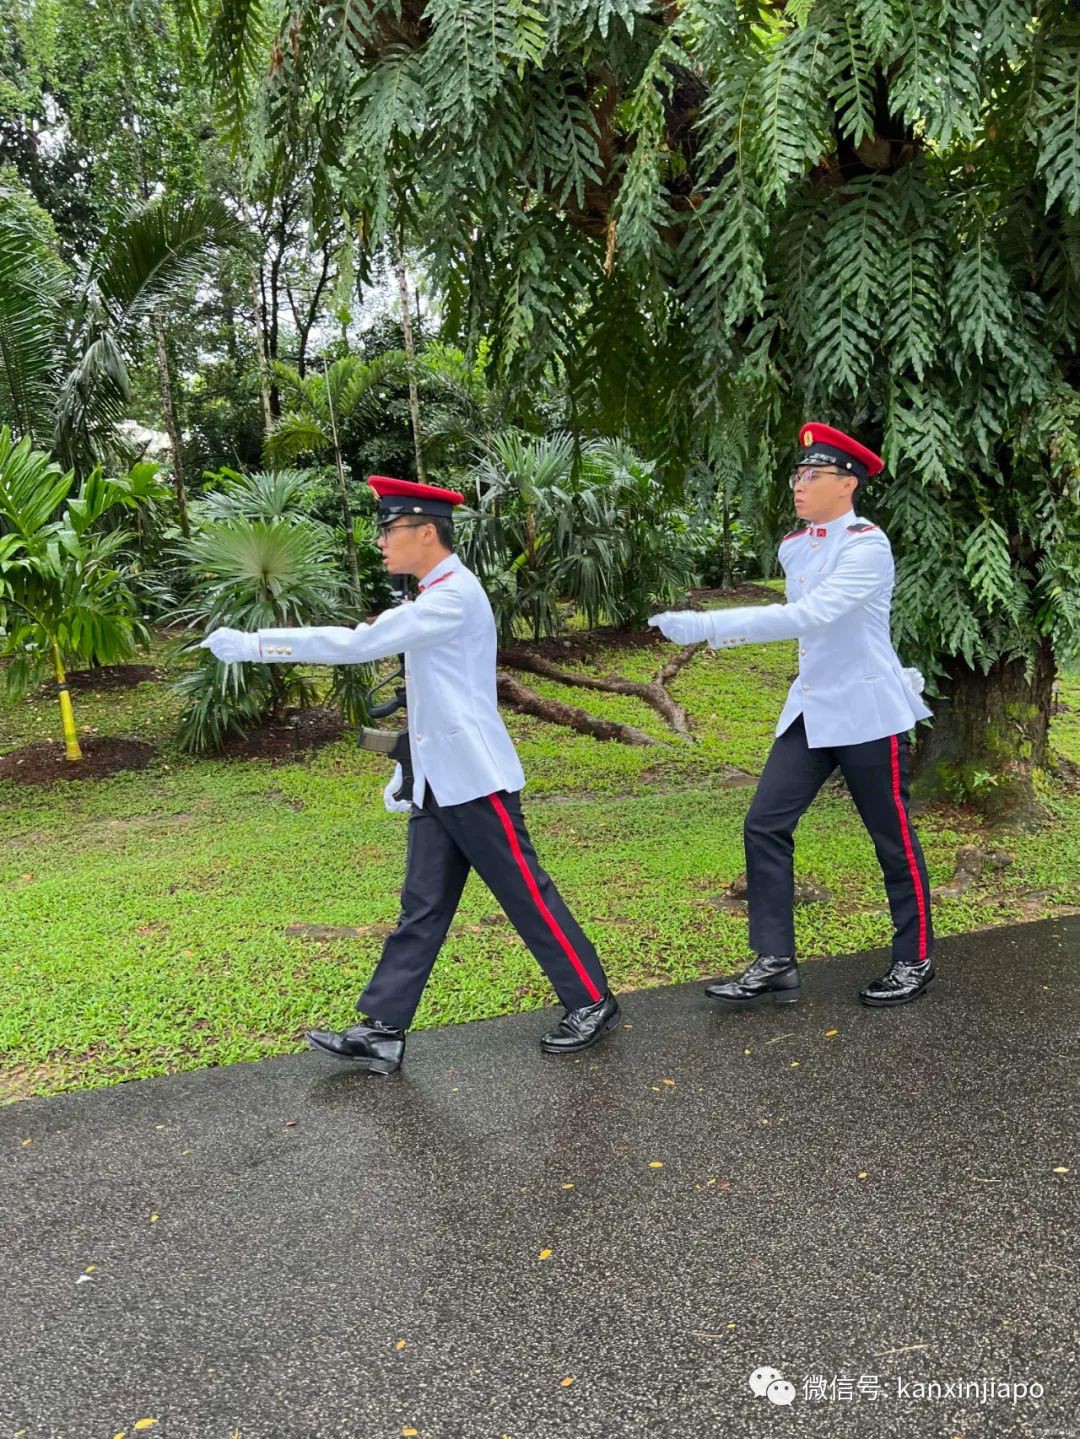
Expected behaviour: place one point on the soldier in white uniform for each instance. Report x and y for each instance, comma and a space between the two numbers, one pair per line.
466, 810
851, 707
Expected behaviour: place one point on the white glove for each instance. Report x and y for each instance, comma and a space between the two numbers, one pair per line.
390, 794
232, 646
683, 627
914, 681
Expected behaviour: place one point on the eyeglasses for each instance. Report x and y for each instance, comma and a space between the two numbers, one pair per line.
383, 531
807, 474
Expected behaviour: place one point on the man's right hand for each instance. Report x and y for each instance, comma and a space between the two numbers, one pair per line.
683, 627
232, 646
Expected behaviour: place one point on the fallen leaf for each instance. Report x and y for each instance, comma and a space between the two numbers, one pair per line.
545, 1253
746, 1051
154, 1218
794, 1064
568, 1186
668, 1081
830, 1032
565, 1383
90, 1269
400, 1345
85, 1279
145, 1423
656, 1164
731, 1326
290, 1124
410, 1433
122, 1434
764, 1121
1061, 1170
862, 1174
26, 1142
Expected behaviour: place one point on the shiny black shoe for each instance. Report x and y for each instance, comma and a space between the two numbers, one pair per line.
771, 976
369, 1045
579, 1028
902, 984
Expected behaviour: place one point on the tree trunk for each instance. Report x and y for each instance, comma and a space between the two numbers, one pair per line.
410, 351
727, 569
228, 315
170, 424
67, 714
343, 490
990, 740
304, 324
259, 317
272, 312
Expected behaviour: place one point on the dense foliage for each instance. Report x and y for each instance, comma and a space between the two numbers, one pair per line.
681, 229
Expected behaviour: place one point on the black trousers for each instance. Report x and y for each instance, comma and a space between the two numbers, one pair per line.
877, 778
487, 835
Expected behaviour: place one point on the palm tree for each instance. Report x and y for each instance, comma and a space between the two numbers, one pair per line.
250, 574
593, 526
66, 335
320, 405
64, 595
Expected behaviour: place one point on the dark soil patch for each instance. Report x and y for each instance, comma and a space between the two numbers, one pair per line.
303, 730
107, 677
584, 646
745, 594
44, 762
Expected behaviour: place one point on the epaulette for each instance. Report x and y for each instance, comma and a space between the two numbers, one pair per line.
862, 527
793, 535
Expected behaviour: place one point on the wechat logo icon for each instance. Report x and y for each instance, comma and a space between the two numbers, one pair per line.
770, 1384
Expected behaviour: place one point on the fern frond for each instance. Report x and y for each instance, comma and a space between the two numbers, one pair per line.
1057, 119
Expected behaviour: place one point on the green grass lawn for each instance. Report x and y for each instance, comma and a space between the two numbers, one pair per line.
145, 916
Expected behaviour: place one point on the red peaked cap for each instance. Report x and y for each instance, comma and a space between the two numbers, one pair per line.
405, 497
822, 445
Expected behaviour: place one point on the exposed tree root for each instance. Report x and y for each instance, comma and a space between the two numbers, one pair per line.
513, 692
653, 692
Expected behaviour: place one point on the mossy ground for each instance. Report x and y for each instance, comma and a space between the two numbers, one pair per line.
145, 916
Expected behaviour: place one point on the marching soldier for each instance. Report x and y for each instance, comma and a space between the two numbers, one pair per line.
850, 707
466, 811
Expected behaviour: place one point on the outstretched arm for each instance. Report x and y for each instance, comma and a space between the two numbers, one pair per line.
861, 571
427, 621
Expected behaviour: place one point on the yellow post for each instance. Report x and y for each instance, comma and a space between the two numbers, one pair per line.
67, 714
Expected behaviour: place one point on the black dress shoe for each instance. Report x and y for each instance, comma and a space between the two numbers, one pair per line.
902, 984
579, 1028
369, 1044
771, 976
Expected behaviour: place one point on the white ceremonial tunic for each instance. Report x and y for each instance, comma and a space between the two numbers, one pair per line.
456, 735
851, 687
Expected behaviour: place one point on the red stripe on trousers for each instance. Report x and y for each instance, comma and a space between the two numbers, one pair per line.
549, 919
916, 878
